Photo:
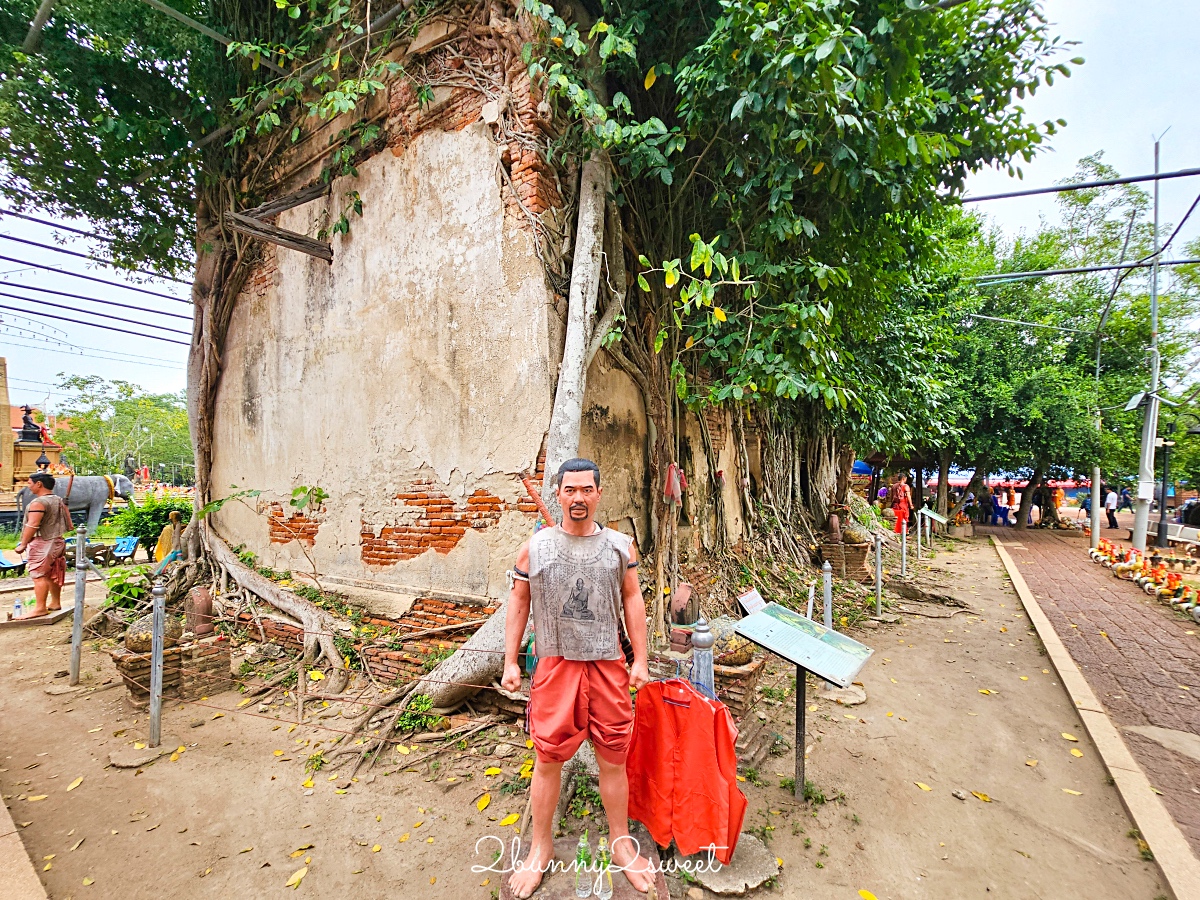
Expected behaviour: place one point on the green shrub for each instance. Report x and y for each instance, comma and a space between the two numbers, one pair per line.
147, 521
127, 586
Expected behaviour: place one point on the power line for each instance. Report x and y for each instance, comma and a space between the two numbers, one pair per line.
78, 350
42, 290
88, 256
88, 312
117, 355
117, 284
153, 337
1001, 277
87, 234
1079, 186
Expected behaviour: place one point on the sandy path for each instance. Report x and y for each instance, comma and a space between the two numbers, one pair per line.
230, 792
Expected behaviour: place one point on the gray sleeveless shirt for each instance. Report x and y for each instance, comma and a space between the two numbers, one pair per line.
575, 590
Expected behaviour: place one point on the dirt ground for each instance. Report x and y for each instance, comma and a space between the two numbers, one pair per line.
231, 814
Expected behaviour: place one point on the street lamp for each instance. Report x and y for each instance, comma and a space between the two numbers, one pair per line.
1167, 444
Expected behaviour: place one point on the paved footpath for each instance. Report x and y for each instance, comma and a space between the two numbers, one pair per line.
1141, 659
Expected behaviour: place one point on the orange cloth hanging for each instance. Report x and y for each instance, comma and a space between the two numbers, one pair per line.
682, 769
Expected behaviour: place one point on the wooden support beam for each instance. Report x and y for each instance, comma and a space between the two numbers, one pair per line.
275, 207
290, 239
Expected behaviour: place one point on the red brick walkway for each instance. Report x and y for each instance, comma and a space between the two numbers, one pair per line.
1139, 656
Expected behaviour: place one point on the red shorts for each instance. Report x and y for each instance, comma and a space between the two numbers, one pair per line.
571, 700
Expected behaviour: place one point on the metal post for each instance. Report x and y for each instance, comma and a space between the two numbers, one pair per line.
703, 675
904, 550
827, 578
812, 590
1150, 425
156, 662
878, 577
801, 703
1096, 501
920, 525
1162, 540
81, 571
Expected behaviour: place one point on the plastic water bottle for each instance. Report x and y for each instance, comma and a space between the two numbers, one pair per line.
604, 885
17, 608
583, 866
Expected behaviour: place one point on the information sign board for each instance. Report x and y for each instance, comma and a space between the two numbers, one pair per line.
811, 646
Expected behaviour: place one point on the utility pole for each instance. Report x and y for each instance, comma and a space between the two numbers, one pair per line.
1145, 492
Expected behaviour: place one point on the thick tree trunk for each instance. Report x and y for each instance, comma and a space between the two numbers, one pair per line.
1027, 498
562, 442
943, 488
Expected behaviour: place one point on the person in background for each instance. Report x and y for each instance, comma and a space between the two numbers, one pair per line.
999, 508
1012, 497
1110, 508
47, 519
1125, 501
986, 506
901, 502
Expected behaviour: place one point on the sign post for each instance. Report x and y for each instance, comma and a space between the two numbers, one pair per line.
810, 647
878, 577
81, 572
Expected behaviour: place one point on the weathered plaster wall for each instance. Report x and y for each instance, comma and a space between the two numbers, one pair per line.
419, 358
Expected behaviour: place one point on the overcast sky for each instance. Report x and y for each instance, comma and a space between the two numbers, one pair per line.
1141, 77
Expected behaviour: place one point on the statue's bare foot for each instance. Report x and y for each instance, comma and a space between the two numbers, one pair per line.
635, 867
528, 877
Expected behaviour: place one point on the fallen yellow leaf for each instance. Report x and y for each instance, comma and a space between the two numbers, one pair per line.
889, 715
1032, 763
138, 745
181, 749
485, 882
418, 824
400, 748
848, 716
174, 756
376, 848
1072, 793
1024, 677
1069, 737
245, 850
1076, 752
922, 786
279, 753
429, 840
982, 796
47, 867
404, 837
314, 675
48, 857
510, 819
482, 803
218, 715
88, 881
741, 777
984, 691
1002, 628
36, 797
245, 702
94, 730
432, 879
307, 783
866, 895
529, 744
297, 877
492, 770
76, 783
893, 681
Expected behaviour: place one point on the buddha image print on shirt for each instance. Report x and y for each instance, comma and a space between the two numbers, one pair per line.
575, 588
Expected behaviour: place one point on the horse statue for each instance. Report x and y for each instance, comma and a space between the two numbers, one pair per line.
85, 493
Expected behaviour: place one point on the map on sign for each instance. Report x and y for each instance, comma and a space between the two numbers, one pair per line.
752, 601
802, 641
